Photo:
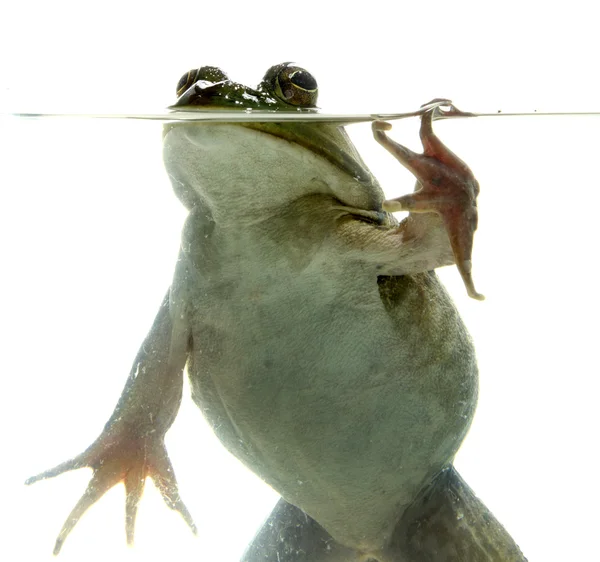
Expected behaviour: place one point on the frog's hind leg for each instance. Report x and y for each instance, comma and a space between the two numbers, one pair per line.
290, 535
448, 523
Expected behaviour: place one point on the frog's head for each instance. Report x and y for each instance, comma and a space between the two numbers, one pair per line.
284, 87
261, 165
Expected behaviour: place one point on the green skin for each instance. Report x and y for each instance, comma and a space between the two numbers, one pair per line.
319, 343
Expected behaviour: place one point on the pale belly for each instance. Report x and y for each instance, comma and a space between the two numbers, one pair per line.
346, 402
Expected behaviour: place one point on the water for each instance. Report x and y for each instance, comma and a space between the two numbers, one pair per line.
90, 234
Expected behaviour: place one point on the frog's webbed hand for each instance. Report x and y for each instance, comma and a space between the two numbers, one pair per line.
131, 448
446, 186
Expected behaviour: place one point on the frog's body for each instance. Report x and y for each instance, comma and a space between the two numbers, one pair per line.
319, 344
311, 370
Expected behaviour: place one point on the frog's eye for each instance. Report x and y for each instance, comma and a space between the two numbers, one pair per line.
292, 84
206, 73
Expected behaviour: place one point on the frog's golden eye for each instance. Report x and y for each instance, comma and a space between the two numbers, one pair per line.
206, 73
292, 84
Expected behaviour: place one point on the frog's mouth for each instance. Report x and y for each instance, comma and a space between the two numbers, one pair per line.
325, 139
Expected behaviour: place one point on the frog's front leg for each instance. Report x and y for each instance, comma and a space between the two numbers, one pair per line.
131, 447
446, 187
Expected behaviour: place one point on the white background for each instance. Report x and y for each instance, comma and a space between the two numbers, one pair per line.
89, 232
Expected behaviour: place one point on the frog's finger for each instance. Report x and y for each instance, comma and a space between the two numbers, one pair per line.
380, 126
134, 488
461, 224
434, 147
418, 202
464, 268
164, 478
437, 102
73, 464
409, 159
100, 483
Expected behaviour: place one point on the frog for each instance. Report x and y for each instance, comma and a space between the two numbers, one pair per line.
319, 342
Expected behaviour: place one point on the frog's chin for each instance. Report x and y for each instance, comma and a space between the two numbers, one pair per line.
244, 172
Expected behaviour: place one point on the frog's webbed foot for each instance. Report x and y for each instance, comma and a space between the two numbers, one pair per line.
116, 458
446, 186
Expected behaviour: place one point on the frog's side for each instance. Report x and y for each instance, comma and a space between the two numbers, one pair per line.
319, 343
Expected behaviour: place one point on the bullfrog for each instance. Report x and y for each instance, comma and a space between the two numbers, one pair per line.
319, 343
